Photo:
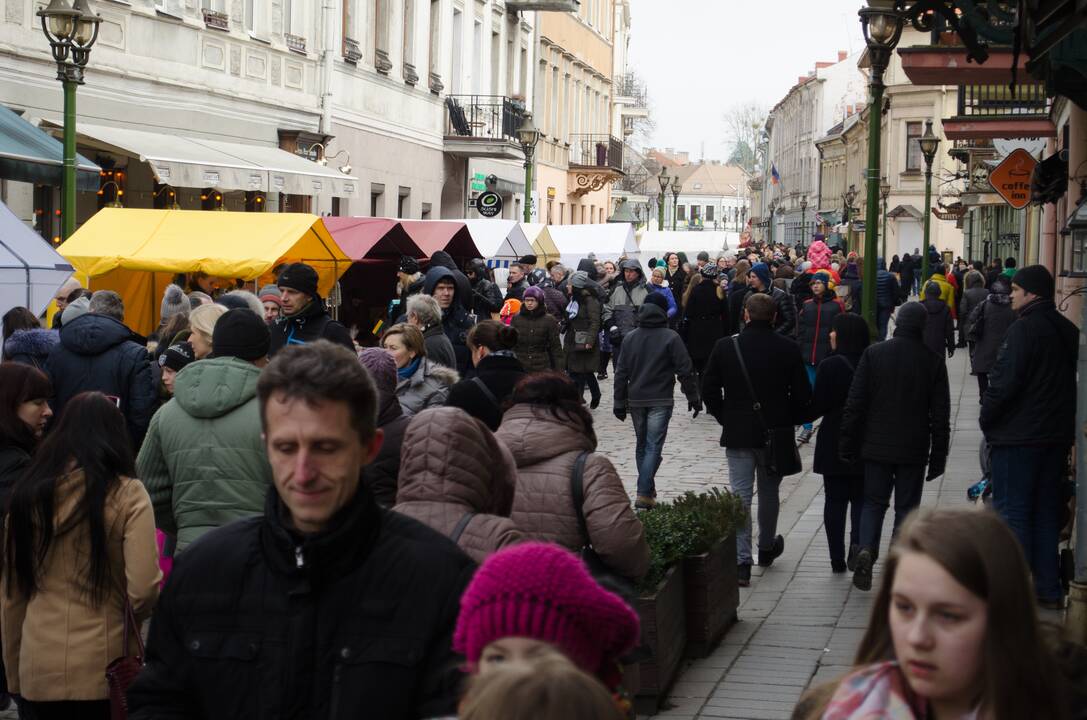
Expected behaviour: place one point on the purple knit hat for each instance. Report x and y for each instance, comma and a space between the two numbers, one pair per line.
382, 368
535, 292
544, 592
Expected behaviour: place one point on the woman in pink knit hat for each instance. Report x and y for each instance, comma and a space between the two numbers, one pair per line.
531, 599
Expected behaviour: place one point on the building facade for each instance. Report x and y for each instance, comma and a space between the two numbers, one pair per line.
713, 196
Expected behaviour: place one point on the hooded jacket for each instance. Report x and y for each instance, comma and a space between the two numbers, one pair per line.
311, 324
96, 352
707, 319
455, 320
653, 357
452, 466
816, 318
57, 643
785, 320
545, 447
987, 326
887, 290
427, 387
586, 323
621, 308
464, 287
940, 328
204, 462
486, 295
381, 474
947, 293
31, 347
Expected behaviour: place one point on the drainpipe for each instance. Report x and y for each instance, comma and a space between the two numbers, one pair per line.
329, 29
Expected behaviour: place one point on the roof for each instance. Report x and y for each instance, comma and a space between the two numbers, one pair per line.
30, 269
29, 154
716, 180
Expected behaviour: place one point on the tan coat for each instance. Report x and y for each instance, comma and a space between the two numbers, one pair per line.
57, 644
545, 449
450, 465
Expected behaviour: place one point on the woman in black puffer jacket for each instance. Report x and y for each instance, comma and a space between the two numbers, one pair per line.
706, 316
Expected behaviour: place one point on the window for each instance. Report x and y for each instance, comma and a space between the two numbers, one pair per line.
511, 58
215, 5
553, 123
381, 36
434, 63
681, 213
410, 75
496, 59
377, 193
403, 203
709, 213
250, 15
458, 52
913, 147
426, 211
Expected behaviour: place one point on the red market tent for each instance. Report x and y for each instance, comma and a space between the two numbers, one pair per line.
434, 235
364, 238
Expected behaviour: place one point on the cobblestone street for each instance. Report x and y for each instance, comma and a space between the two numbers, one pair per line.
798, 623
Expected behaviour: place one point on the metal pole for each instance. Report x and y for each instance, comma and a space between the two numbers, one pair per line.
1076, 621
884, 229
528, 185
660, 212
675, 211
928, 214
871, 223
68, 195
771, 224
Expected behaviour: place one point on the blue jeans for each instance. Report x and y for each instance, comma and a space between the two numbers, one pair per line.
1027, 496
811, 381
651, 429
880, 480
746, 469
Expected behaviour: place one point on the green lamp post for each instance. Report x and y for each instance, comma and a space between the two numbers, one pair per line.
929, 142
528, 135
771, 207
882, 26
884, 193
849, 196
803, 219
676, 187
663, 179
71, 29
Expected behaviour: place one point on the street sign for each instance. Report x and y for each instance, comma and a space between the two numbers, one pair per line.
478, 186
1011, 178
489, 204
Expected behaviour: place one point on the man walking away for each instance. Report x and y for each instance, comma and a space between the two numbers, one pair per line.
783, 392
897, 415
986, 328
887, 297
303, 318
939, 327
203, 461
653, 357
1028, 415
324, 606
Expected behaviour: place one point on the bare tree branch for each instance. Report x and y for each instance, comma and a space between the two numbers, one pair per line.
743, 127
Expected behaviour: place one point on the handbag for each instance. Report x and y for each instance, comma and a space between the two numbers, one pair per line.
123, 671
599, 569
782, 455
582, 337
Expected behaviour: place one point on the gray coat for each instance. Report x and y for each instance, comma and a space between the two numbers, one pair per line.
427, 388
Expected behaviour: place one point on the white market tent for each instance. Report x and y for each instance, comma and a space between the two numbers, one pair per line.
500, 242
30, 269
654, 244
605, 241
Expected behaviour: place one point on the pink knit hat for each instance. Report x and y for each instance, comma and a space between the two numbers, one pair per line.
544, 592
819, 255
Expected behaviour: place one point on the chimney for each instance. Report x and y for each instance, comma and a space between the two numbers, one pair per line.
842, 55
821, 65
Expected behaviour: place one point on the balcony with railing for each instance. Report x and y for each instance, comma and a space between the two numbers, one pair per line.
999, 111
602, 152
483, 126
630, 95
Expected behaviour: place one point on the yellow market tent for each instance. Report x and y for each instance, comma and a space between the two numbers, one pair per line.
541, 241
137, 252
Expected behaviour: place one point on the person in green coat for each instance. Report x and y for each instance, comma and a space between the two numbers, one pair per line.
203, 461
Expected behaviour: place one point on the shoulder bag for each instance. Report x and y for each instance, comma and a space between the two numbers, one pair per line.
461, 525
123, 671
782, 456
599, 569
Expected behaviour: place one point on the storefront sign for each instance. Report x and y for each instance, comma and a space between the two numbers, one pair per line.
489, 204
1011, 178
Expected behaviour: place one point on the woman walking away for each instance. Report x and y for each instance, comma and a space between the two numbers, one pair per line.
583, 335
737, 290
705, 309
538, 347
843, 482
986, 327
79, 556
972, 297
954, 632
554, 445
497, 372
816, 319
420, 384
939, 326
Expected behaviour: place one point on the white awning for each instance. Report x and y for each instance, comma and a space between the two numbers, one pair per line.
183, 161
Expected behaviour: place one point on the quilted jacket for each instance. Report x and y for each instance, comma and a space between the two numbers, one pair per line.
545, 448
452, 465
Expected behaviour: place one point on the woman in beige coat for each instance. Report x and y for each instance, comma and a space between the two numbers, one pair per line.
79, 543
546, 428
456, 478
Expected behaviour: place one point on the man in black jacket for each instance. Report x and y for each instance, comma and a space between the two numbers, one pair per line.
896, 417
486, 296
760, 282
516, 283
303, 318
327, 606
653, 357
1028, 415
97, 352
441, 283
782, 389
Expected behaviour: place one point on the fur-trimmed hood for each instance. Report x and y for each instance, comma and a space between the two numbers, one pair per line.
37, 342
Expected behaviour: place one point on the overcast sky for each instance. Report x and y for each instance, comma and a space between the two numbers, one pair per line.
701, 57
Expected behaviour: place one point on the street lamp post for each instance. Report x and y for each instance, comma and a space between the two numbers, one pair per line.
929, 144
850, 197
663, 179
803, 218
71, 29
676, 187
882, 28
770, 207
528, 135
884, 192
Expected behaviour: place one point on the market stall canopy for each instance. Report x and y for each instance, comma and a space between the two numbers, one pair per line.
542, 244
30, 270
500, 242
137, 252
368, 237
451, 236
29, 154
608, 241
655, 242
182, 161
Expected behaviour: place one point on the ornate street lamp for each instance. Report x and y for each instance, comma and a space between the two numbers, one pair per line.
663, 179
849, 196
884, 192
676, 187
770, 207
528, 135
803, 218
71, 29
929, 142
882, 26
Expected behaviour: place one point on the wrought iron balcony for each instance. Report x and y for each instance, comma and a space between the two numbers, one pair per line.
483, 126
544, 5
603, 152
998, 101
629, 86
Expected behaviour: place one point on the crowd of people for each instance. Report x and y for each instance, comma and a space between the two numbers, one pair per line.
322, 527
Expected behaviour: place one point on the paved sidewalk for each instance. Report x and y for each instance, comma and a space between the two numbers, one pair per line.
799, 624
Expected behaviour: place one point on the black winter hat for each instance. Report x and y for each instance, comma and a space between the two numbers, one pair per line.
528, 259
658, 299
300, 277
408, 265
177, 356
1035, 279
241, 334
911, 316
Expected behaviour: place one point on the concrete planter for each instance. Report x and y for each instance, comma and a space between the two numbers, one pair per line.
664, 632
711, 594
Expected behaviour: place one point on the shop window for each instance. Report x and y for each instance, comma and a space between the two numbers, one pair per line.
914, 156
681, 213
709, 213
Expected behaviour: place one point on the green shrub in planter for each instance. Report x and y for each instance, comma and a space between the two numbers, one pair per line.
714, 515
672, 535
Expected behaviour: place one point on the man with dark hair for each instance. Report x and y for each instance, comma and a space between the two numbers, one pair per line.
516, 283
203, 459
1028, 415
303, 318
528, 264
441, 283
325, 606
486, 296
782, 393
97, 352
759, 282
